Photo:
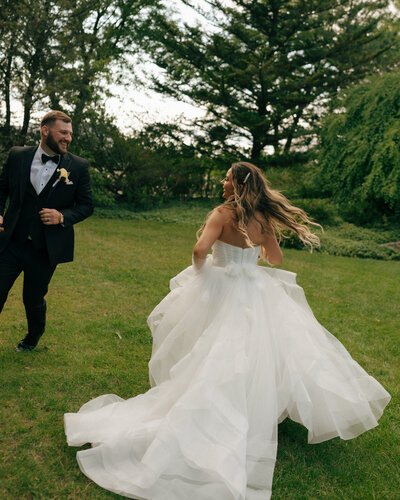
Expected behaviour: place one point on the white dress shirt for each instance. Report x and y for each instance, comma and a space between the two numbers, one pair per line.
41, 173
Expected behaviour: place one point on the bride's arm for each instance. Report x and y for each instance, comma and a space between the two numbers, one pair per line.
270, 250
211, 233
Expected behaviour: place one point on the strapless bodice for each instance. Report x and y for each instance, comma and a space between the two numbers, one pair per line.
224, 253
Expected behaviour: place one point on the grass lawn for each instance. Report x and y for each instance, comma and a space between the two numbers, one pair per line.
97, 342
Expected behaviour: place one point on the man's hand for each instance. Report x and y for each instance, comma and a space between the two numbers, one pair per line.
1, 223
50, 216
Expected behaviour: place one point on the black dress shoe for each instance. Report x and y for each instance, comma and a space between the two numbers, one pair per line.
23, 346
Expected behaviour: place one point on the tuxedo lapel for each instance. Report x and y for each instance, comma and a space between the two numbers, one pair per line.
26, 160
65, 161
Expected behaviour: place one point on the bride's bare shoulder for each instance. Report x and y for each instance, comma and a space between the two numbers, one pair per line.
224, 213
220, 214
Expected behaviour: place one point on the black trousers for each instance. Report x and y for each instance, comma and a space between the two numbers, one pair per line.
34, 263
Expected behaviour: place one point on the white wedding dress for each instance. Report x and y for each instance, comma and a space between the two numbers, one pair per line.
236, 349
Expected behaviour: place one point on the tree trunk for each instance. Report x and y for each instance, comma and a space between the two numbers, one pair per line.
293, 129
257, 147
82, 100
34, 67
28, 101
7, 84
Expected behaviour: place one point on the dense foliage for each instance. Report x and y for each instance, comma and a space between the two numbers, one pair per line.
148, 167
360, 150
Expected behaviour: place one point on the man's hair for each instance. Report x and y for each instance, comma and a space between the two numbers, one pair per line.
52, 116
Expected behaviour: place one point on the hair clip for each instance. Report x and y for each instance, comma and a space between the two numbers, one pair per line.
245, 179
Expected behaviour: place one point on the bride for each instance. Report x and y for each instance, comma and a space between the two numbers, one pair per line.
236, 349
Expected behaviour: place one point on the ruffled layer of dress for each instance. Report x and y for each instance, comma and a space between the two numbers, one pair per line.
236, 349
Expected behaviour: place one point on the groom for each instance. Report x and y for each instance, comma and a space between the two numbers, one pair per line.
48, 191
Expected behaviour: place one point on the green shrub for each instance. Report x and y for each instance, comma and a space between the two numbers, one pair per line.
323, 211
102, 189
288, 180
352, 241
367, 249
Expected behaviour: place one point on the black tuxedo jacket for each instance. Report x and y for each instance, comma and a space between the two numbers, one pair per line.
73, 199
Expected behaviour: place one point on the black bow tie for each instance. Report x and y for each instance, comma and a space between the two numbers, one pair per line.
46, 158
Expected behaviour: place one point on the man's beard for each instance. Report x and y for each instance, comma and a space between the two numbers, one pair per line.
52, 144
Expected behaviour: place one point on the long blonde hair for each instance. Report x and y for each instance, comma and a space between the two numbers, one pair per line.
251, 194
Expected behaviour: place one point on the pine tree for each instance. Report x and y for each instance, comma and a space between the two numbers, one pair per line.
267, 68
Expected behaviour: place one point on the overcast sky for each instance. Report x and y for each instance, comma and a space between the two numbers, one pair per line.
134, 108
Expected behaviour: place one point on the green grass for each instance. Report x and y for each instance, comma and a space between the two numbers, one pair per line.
97, 342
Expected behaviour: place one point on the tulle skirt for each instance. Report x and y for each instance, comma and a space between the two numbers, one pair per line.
236, 349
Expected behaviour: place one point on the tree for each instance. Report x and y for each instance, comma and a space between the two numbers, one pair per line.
26, 34
360, 150
61, 53
267, 68
9, 15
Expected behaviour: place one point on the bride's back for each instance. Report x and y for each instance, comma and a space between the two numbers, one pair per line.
234, 237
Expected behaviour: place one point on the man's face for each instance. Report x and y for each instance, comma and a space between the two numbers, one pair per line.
57, 136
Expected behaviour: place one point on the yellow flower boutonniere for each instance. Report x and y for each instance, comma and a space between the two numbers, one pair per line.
63, 177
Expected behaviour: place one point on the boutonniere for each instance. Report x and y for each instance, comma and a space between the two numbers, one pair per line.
63, 177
